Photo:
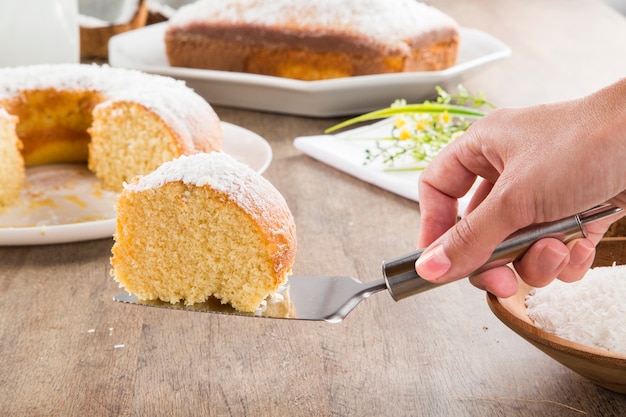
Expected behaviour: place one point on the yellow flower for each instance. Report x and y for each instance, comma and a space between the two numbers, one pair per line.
399, 122
444, 118
404, 134
422, 124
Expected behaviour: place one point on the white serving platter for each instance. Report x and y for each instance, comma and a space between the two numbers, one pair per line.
144, 49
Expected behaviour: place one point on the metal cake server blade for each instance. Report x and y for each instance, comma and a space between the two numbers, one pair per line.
305, 298
331, 299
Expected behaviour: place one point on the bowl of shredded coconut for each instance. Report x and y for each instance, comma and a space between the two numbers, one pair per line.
582, 325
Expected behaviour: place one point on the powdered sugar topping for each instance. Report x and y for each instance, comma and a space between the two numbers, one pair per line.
165, 96
389, 23
216, 169
223, 173
4, 114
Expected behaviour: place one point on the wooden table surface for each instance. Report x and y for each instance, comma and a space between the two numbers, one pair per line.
66, 349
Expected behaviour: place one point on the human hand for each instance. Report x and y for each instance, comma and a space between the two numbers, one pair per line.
537, 164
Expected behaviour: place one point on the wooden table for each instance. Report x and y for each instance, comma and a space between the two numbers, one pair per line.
66, 349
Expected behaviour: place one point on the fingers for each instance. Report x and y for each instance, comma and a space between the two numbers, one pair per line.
440, 187
544, 261
481, 192
508, 151
596, 230
469, 244
493, 213
438, 213
582, 254
500, 281
443, 183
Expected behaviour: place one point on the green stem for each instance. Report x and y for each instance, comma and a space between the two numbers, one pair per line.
432, 108
407, 169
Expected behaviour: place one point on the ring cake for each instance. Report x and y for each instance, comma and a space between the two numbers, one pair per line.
200, 226
122, 122
312, 39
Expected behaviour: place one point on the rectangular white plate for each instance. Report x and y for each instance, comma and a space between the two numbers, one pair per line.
345, 151
144, 49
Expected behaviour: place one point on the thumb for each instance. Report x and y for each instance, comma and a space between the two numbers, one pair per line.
467, 245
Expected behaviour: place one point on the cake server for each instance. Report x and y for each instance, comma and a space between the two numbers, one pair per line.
332, 298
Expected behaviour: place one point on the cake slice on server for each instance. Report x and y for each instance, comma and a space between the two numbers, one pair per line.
203, 226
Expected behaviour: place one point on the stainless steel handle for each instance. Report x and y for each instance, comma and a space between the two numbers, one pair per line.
402, 281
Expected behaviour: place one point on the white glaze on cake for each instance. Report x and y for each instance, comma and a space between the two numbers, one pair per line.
240, 183
171, 99
390, 25
4, 114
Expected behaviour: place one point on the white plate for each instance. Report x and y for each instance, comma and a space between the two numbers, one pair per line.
66, 203
144, 49
246, 146
345, 151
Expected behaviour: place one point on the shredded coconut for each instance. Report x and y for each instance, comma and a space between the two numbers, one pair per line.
171, 99
591, 312
249, 190
276, 297
162, 94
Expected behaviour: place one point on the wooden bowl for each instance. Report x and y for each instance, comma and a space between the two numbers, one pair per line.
94, 40
606, 369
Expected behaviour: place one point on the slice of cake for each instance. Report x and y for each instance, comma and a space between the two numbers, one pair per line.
12, 165
200, 226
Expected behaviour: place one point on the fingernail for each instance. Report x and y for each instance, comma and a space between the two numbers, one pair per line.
550, 260
581, 252
433, 264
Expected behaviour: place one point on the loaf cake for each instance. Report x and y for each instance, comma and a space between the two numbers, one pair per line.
312, 39
200, 226
122, 122
12, 165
